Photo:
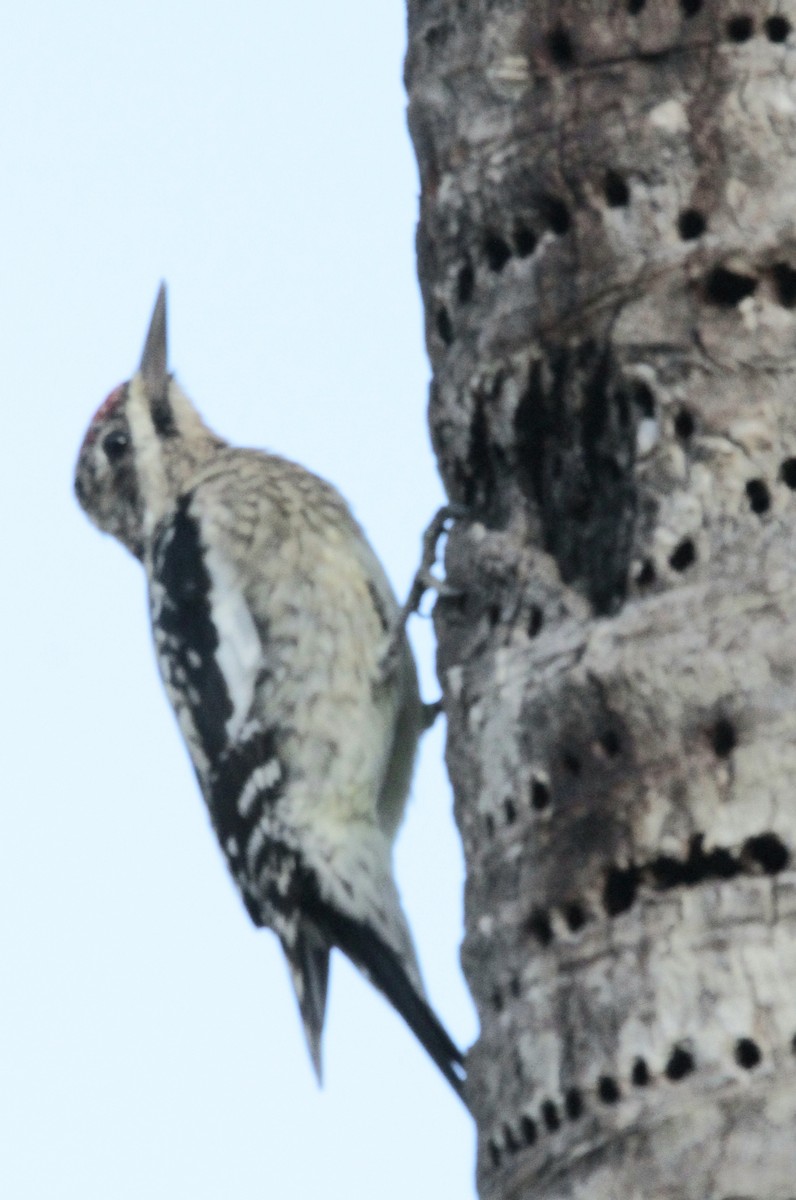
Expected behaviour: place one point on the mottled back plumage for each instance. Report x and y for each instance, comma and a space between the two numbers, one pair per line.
270, 615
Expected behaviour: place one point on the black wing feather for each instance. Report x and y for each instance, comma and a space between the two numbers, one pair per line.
184, 624
382, 966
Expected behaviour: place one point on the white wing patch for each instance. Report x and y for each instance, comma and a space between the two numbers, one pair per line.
262, 779
239, 653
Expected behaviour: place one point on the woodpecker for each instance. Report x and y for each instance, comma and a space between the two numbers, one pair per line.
272, 620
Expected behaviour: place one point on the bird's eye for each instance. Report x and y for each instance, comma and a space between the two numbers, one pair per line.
115, 444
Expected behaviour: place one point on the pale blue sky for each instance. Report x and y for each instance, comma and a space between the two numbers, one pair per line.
255, 156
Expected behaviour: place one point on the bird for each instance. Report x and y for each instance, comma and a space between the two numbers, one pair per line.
272, 621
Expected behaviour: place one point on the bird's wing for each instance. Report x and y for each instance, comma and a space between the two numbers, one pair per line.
211, 655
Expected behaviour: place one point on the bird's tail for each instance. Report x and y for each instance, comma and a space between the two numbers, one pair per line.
308, 959
383, 967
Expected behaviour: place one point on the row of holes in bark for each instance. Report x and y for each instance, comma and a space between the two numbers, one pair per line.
722, 737
740, 28
727, 287
757, 490
758, 495
762, 854
684, 554
722, 286
685, 426
680, 1065
497, 249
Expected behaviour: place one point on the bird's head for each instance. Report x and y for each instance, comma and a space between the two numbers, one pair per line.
141, 447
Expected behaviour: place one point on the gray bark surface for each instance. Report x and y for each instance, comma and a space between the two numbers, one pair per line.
607, 254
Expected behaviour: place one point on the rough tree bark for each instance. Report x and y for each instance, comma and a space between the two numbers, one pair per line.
607, 253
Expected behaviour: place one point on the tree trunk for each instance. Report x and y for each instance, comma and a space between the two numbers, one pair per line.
607, 253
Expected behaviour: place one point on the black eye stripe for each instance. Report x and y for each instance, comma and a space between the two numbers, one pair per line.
115, 444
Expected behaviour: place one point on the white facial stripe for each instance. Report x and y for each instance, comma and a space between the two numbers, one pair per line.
152, 480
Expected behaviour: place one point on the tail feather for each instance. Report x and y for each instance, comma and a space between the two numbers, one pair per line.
308, 960
383, 967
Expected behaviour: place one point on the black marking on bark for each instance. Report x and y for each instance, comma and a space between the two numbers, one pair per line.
620, 889
608, 1090
528, 1130
556, 215
480, 480
758, 495
635, 6
766, 852
525, 241
559, 44
681, 1063
740, 28
575, 916
683, 555
615, 189
787, 473
535, 620
444, 326
185, 619
700, 865
436, 35
497, 251
684, 424
465, 283
494, 1152
573, 1104
723, 738
510, 811
575, 447
690, 8
550, 1116
691, 224
486, 467
728, 288
777, 28
646, 575
610, 743
540, 795
747, 1053
785, 283
643, 397
640, 1076
538, 925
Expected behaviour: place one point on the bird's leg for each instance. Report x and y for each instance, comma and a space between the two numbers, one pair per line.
424, 581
